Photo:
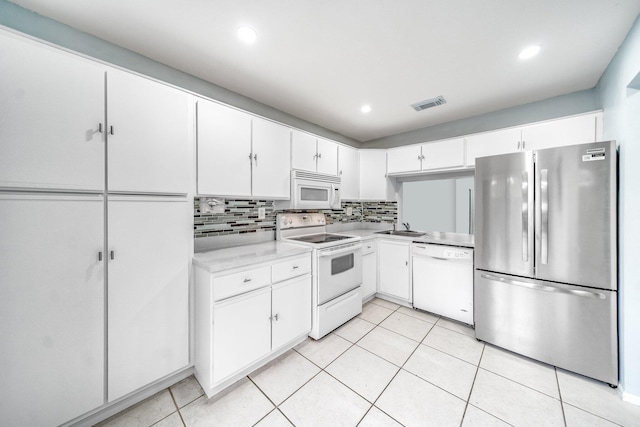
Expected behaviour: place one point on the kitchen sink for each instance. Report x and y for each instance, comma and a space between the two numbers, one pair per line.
406, 233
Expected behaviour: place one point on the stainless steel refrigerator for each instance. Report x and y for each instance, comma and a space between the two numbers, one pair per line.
546, 272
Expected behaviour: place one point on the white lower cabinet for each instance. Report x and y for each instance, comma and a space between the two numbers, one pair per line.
148, 290
235, 333
369, 270
241, 332
52, 305
394, 278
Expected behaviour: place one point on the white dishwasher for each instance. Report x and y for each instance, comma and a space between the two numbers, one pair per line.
443, 280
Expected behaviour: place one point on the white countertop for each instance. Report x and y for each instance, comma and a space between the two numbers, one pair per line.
439, 238
240, 256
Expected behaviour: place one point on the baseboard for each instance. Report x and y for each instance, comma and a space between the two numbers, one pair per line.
628, 397
110, 409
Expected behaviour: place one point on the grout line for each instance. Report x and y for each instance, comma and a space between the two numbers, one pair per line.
564, 416
173, 399
473, 383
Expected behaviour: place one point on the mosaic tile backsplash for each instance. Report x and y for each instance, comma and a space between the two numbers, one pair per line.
241, 216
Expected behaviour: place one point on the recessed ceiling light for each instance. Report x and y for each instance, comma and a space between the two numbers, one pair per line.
529, 52
366, 109
246, 34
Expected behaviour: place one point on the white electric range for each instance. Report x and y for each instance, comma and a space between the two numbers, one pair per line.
336, 269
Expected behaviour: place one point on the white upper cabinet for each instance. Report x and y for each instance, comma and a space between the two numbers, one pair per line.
51, 111
349, 172
313, 154
53, 125
569, 131
492, 143
447, 154
327, 160
373, 176
234, 160
271, 159
443, 154
148, 136
554, 133
224, 150
303, 151
404, 159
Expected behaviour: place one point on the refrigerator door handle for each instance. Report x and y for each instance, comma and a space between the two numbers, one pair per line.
544, 288
525, 216
544, 216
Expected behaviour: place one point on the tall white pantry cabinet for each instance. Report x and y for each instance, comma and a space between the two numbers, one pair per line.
95, 233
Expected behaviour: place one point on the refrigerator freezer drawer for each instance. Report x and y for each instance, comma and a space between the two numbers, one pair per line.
570, 327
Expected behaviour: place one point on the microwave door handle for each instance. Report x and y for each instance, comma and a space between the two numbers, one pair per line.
333, 196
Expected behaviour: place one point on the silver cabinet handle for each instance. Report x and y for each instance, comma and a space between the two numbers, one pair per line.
544, 216
111, 130
544, 288
274, 318
112, 255
100, 127
255, 158
246, 280
406, 263
295, 267
100, 256
523, 144
319, 155
525, 216
518, 145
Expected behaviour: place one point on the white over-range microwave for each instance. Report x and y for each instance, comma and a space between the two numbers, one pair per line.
310, 190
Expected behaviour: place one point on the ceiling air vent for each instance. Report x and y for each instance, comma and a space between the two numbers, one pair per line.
428, 103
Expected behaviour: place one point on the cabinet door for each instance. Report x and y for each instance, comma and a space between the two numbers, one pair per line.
52, 305
556, 133
148, 290
492, 143
443, 154
373, 175
327, 161
224, 147
291, 310
52, 105
393, 269
369, 275
405, 159
271, 160
149, 150
303, 151
349, 172
241, 332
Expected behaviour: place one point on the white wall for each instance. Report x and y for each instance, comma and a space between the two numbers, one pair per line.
622, 122
429, 205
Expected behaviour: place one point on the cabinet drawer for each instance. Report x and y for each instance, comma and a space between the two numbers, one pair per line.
291, 268
239, 283
368, 247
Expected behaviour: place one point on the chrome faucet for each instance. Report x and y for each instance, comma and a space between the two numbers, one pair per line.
406, 226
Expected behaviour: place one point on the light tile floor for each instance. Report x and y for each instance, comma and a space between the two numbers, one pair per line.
392, 366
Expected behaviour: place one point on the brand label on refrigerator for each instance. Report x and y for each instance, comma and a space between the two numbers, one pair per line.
594, 155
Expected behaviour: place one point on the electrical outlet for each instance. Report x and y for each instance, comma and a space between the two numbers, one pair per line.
261, 213
349, 211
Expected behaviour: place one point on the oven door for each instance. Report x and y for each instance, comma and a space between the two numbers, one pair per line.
339, 270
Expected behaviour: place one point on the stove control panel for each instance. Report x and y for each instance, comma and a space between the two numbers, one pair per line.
298, 220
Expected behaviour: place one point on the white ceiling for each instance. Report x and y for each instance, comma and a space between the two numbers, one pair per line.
321, 60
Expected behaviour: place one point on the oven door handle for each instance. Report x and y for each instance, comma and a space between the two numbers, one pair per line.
350, 248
